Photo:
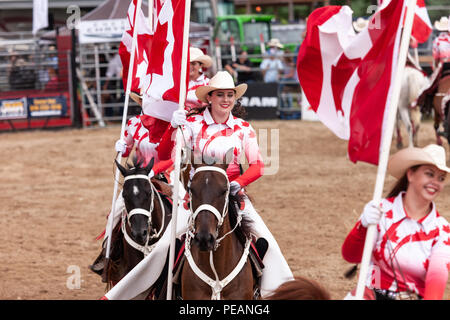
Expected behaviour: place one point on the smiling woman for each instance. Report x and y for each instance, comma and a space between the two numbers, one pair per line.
411, 256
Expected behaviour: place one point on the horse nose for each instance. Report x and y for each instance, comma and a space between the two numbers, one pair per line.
204, 241
140, 236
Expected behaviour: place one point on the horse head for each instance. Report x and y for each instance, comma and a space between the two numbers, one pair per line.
137, 195
209, 190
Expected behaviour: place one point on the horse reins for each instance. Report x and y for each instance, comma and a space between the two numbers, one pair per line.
145, 249
216, 284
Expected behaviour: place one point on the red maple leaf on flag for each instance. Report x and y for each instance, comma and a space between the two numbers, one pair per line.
159, 46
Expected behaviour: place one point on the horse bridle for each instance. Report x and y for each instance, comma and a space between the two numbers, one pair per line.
145, 249
220, 216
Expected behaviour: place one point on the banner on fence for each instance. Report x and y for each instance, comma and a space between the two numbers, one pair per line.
47, 106
13, 109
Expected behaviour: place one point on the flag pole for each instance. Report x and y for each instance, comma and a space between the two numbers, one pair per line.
150, 15
122, 132
177, 163
386, 145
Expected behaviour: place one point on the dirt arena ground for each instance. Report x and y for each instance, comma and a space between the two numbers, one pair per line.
56, 189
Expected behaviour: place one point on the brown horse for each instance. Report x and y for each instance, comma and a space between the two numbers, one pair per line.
147, 216
300, 288
217, 243
441, 115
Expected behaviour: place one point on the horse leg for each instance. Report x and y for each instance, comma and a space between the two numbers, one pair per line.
416, 117
437, 121
415, 133
399, 135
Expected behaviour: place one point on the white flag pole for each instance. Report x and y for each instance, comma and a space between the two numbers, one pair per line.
177, 163
122, 131
150, 15
386, 145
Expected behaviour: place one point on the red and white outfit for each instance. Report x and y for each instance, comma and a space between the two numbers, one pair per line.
408, 255
191, 99
201, 132
146, 142
441, 47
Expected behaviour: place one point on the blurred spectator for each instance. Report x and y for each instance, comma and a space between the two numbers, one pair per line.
288, 77
21, 75
241, 70
113, 83
52, 84
271, 66
275, 47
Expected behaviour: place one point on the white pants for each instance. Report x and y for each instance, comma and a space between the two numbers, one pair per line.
276, 270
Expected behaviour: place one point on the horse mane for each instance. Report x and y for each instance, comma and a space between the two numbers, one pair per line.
245, 230
300, 288
135, 163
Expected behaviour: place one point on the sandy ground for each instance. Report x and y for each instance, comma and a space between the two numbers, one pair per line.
56, 189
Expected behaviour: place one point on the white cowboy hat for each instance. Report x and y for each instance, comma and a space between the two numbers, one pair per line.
442, 24
406, 158
274, 42
195, 54
221, 81
360, 24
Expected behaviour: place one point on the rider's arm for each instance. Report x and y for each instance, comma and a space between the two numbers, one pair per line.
353, 246
256, 164
166, 144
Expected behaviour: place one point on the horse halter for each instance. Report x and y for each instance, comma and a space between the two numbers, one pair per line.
208, 207
145, 249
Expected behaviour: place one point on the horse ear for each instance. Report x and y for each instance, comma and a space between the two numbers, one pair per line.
149, 167
121, 168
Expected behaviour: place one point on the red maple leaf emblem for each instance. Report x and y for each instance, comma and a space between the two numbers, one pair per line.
426, 264
389, 214
394, 237
447, 242
446, 229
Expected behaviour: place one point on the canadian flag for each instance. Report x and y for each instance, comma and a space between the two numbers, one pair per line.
135, 17
347, 77
161, 95
422, 26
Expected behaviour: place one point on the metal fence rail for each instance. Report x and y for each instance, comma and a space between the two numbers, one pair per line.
102, 92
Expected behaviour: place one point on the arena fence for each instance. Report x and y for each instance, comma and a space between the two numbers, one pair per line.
35, 88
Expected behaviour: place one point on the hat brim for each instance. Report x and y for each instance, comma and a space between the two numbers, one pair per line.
278, 45
137, 98
203, 91
358, 27
406, 158
441, 25
205, 60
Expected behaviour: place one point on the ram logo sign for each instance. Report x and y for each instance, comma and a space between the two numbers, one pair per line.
261, 100
271, 102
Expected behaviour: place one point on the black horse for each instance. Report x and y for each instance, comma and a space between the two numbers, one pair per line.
147, 215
